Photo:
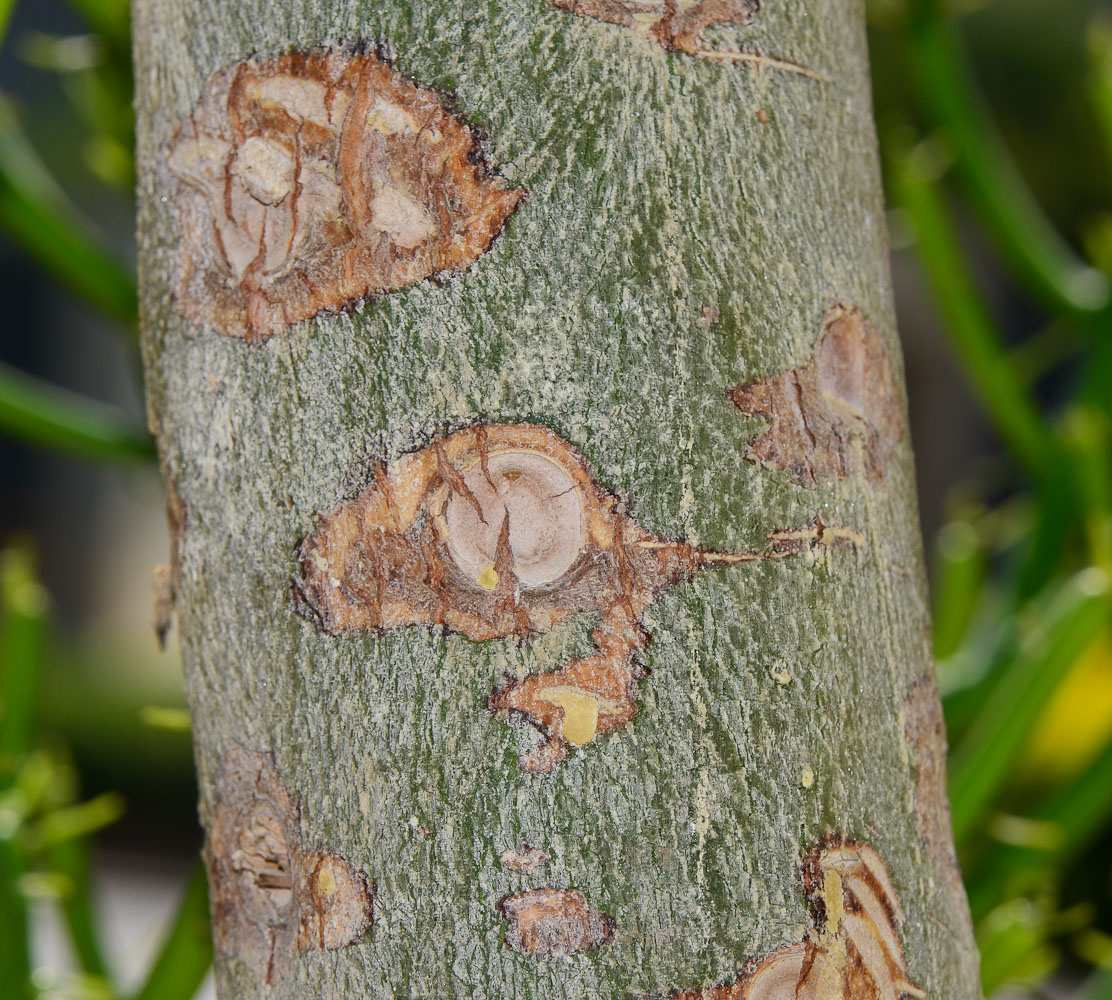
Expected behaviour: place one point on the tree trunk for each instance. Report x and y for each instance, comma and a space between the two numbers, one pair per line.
546, 555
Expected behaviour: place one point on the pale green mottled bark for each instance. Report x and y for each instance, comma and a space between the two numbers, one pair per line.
654, 190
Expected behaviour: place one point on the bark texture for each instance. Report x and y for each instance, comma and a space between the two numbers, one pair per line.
697, 213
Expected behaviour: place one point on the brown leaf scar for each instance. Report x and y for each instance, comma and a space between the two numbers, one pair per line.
838, 415
851, 951
306, 182
502, 530
271, 894
681, 26
549, 924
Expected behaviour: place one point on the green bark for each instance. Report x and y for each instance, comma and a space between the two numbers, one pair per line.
654, 191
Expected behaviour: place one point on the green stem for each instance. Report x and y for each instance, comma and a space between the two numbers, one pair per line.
110, 20
70, 857
15, 951
981, 762
1098, 986
38, 217
22, 636
958, 578
42, 414
1079, 812
1100, 85
186, 954
22, 639
949, 93
1044, 351
6, 8
986, 362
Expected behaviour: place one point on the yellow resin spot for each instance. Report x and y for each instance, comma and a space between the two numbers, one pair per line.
580, 713
326, 881
488, 577
808, 777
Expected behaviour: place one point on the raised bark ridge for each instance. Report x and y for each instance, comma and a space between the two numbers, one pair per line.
306, 182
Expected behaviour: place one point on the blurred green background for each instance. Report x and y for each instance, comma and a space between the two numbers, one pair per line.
995, 121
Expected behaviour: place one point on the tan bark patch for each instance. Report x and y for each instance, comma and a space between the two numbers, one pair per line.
925, 730
681, 26
525, 858
840, 415
851, 951
307, 182
553, 923
270, 896
168, 577
502, 530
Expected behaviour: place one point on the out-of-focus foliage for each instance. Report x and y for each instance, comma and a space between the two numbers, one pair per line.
44, 828
1022, 568
44, 825
1021, 576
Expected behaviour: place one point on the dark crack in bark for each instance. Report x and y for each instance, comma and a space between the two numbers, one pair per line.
925, 731
167, 578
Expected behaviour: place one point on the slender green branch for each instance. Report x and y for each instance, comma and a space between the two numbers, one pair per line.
951, 97
186, 954
110, 20
54, 418
968, 322
1064, 628
70, 857
1100, 85
23, 610
6, 8
1075, 815
1098, 986
22, 637
1044, 351
960, 564
37, 215
15, 951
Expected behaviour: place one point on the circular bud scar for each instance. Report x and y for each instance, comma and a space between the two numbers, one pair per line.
536, 501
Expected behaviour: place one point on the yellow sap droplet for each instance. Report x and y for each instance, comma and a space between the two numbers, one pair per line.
488, 577
326, 881
580, 713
